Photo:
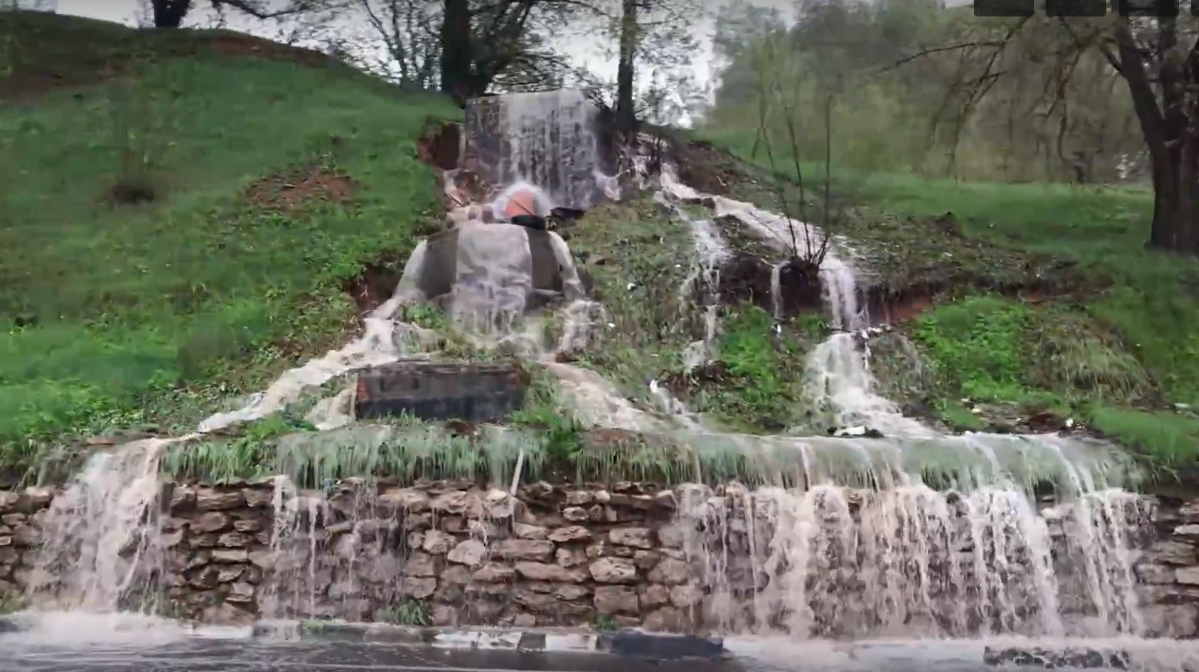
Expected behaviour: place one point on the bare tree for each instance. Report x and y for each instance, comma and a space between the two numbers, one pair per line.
654, 44
491, 43
1157, 58
171, 13
773, 92
410, 33
626, 115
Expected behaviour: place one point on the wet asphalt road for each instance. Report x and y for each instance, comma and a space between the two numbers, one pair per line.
238, 655
61, 650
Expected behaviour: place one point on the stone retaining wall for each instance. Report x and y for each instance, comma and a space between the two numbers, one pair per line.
1168, 569
437, 553
452, 554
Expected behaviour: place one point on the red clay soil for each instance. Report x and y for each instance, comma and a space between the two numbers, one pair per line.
288, 191
24, 86
705, 168
715, 373
897, 306
746, 277
439, 144
375, 284
249, 45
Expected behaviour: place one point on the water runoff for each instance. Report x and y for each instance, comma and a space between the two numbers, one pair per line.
854, 559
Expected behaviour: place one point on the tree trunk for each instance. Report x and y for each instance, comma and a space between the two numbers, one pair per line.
1175, 187
626, 114
456, 52
1171, 132
170, 13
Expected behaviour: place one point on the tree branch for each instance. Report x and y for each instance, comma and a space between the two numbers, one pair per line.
936, 50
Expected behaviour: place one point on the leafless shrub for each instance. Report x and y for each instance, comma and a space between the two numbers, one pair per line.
770, 88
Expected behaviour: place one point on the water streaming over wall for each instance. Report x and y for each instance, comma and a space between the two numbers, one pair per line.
856, 545
905, 559
910, 561
102, 533
546, 138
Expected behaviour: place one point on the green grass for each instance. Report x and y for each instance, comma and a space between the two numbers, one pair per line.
121, 316
126, 316
407, 450
638, 259
1116, 342
758, 384
409, 612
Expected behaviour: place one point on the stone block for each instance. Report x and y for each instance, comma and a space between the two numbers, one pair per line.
665, 647
1041, 657
554, 139
438, 391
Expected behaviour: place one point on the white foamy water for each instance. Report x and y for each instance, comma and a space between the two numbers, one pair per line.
549, 136
840, 373
101, 533
384, 341
907, 560
776, 291
773, 654
887, 562
910, 561
703, 280
598, 403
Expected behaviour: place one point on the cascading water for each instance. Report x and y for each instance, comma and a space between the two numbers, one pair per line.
704, 278
905, 559
776, 291
863, 547
910, 561
101, 532
102, 544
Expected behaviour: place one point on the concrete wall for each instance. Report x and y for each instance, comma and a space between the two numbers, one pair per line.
452, 554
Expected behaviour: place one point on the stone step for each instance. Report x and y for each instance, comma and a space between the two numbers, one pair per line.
1085, 658
472, 392
624, 643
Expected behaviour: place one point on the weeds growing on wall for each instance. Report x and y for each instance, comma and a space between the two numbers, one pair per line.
410, 612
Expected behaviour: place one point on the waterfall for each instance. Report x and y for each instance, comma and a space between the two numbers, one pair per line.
863, 547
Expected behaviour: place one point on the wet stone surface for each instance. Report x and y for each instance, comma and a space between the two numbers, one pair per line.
686, 559
233, 655
434, 391
553, 139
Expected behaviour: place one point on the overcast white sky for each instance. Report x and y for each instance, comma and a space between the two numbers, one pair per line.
586, 53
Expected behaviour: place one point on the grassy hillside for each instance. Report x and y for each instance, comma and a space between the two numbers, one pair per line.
1117, 347
183, 209
273, 175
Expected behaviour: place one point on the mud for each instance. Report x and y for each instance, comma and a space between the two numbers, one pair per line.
440, 144
291, 190
895, 305
86, 63
747, 278
376, 283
